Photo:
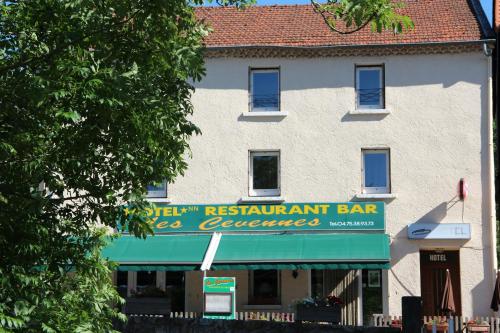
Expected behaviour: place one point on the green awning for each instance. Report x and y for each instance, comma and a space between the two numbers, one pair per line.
303, 251
292, 266
252, 251
160, 252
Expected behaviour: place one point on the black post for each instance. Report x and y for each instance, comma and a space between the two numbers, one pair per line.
412, 314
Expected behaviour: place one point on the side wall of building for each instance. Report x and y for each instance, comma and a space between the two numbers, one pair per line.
436, 132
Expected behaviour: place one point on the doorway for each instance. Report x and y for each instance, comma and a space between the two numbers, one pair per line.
433, 266
341, 283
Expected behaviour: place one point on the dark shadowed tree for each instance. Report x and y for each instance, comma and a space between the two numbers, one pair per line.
94, 105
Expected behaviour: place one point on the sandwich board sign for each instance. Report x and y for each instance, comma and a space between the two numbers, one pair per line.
219, 297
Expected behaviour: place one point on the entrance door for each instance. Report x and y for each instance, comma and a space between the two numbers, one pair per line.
433, 266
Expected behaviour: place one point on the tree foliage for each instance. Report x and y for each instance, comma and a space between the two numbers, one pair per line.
356, 14
94, 105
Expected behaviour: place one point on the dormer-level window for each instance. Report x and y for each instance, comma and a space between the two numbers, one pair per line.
157, 191
370, 87
264, 90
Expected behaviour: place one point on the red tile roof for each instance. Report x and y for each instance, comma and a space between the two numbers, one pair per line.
299, 25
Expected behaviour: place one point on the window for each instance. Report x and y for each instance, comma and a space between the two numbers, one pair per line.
146, 280
372, 294
264, 287
264, 90
370, 87
157, 191
264, 173
376, 171
122, 283
175, 287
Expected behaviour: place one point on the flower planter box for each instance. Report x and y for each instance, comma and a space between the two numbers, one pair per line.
478, 328
439, 327
329, 314
147, 305
396, 324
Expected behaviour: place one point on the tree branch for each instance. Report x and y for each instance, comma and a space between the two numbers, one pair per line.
320, 11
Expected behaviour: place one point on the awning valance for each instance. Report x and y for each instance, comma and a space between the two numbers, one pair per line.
255, 251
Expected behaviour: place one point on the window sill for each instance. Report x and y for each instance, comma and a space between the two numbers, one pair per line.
159, 200
369, 111
264, 114
245, 200
261, 307
375, 196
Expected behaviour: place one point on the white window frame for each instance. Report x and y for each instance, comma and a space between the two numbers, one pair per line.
381, 70
250, 102
251, 285
371, 190
159, 194
263, 192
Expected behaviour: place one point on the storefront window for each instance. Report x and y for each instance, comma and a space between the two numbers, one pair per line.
317, 283
372, 294
264, 287
174, 285
121, 283
146, 279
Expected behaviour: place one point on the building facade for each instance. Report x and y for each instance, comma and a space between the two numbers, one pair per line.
293, 113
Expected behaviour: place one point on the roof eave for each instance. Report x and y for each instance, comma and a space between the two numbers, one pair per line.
294, 47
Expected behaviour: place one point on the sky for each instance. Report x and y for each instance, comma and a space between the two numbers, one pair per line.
487, 4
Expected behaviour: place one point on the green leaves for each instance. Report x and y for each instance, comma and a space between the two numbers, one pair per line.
95, 103
354, 15
132, 72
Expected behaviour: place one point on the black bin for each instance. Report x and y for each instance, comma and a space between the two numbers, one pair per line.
412, 314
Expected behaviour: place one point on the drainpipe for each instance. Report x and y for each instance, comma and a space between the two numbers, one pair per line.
491, 169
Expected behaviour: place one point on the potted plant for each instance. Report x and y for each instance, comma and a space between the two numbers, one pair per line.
150, 300
396, 323
477, 326
441, 325
325, 309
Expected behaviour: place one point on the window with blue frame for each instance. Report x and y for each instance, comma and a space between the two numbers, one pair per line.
370, 87
376, 168
264, 90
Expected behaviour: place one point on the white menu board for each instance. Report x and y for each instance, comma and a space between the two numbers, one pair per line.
218, 303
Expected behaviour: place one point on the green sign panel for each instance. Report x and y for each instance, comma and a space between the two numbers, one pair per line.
219, 297
291, 216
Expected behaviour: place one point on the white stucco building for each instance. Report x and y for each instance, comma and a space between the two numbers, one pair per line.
293, 113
